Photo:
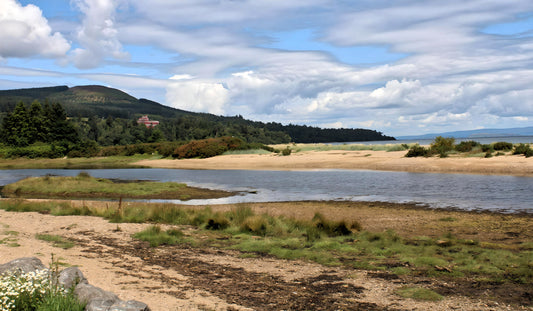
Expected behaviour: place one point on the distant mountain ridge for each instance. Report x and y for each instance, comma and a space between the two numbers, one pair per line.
506, 132
104, 102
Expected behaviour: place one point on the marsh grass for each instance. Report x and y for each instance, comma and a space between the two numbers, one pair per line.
316, 240
85, 186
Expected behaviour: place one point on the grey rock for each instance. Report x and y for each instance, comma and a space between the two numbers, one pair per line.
22, 265
87, 292
71, 277
109, 305
130, 305
99, 305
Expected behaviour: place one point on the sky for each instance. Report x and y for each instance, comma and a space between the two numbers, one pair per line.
403, 67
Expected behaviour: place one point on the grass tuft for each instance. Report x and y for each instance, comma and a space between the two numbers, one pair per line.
156, 236
56, 240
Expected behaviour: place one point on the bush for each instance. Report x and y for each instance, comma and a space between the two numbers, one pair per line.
207, 148
466, 146
524, 149
442, 145
417, 151
287, 151
487, 148
502, 145
87, 148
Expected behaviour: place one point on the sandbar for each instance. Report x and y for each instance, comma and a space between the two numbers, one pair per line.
515, 165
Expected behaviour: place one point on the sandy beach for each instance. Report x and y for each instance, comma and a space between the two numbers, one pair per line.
188, 278
516, 165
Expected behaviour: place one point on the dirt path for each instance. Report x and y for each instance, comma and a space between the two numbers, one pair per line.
184, 278
516, 165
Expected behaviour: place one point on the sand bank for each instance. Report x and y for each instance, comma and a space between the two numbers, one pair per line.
516, 165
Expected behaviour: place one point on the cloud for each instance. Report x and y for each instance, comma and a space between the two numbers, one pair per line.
452, 74
97, 34
195, 95
24, 32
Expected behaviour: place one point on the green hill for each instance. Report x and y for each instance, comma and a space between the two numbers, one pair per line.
94, 101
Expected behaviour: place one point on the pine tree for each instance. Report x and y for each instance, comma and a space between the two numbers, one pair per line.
15, 128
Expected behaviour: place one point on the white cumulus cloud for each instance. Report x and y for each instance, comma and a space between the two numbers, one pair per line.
97, 34
194, 95
24, 32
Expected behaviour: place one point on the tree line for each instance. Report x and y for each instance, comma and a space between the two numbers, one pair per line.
24, 125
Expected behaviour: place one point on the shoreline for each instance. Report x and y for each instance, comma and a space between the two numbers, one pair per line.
513, 165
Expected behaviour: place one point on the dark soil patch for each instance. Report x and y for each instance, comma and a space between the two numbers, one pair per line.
236, 285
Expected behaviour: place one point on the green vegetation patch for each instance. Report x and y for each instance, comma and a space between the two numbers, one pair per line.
85, 186
56, 240
156, 236
445, 146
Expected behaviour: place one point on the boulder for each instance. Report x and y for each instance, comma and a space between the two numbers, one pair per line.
71, 277
87, 292
108, 305
130, 305
22, 266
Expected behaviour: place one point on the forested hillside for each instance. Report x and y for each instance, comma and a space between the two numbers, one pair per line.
108, 116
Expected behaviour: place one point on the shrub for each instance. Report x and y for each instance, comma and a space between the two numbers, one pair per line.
502, 145
442, 145
417, 151
487, 148
466, 146
287, 151
524, 149
207, 148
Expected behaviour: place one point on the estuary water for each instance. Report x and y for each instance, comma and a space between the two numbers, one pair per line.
506, 194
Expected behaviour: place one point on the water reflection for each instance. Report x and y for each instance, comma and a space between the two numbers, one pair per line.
471, 192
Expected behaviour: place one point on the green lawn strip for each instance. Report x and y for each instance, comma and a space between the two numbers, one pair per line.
84, 186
